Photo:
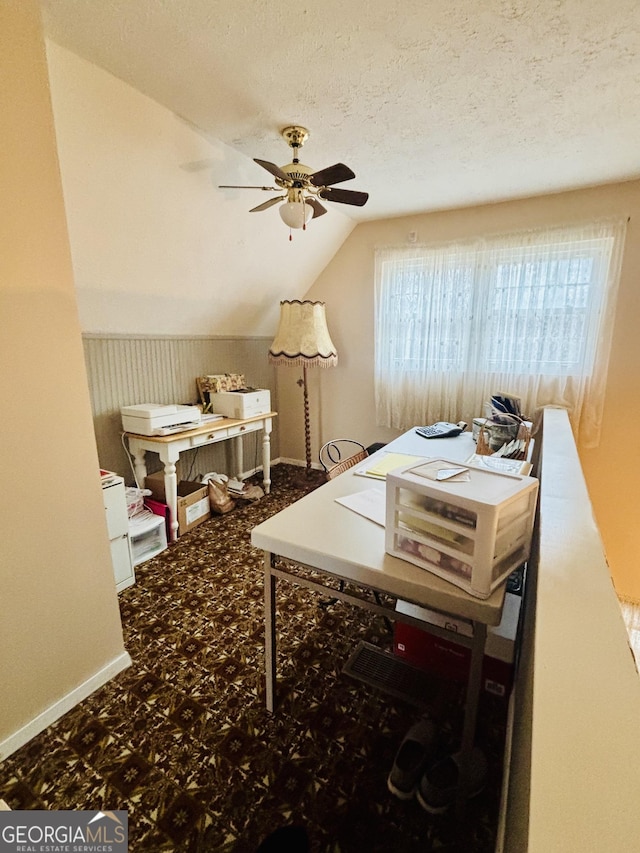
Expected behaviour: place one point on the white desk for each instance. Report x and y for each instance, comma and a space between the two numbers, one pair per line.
169, 448
321, 534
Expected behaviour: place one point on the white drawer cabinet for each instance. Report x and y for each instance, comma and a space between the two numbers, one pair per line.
115, 507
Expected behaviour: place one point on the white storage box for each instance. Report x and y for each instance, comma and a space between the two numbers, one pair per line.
241, 404
148, 536
473, 534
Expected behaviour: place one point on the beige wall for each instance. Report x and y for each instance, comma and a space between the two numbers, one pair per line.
60, 631
346, 395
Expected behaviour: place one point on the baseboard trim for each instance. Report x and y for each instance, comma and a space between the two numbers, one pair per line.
282, 460
300, 463
66, 703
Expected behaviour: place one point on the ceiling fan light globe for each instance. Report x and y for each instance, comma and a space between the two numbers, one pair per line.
295, 214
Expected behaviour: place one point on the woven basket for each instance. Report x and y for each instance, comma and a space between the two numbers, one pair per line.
520, 433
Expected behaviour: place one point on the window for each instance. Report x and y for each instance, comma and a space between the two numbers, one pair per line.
528, 313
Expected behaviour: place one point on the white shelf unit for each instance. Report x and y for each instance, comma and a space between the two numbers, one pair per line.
148, 536
115, 507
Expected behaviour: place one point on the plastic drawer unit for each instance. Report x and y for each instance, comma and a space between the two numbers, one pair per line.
148, 536
472, 533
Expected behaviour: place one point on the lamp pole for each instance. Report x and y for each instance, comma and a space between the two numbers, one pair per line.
307, 430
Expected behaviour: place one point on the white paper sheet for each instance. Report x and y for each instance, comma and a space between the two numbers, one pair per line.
370, 503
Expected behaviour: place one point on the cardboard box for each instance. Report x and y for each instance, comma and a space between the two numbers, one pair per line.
447, 659
193, 501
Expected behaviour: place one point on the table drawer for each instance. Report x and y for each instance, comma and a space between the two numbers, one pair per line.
209, 437
242, 428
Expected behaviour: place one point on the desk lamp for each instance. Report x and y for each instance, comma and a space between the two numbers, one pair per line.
303, 339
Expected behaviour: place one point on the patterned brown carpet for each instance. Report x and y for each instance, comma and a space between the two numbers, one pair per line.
182, 739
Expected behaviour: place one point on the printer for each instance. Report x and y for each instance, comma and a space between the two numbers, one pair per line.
155, 419
241, 403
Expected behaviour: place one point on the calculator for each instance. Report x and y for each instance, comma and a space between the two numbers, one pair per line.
442, 429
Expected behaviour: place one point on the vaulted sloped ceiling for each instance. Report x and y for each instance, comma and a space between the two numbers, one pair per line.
432, 104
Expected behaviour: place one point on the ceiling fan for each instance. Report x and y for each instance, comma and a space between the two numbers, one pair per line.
302, 187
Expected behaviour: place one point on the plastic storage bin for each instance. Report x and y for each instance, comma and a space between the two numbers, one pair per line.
148, 536
473, 534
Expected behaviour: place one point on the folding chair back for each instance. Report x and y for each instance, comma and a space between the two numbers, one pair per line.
341, 454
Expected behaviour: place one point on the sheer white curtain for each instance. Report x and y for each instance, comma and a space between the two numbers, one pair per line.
528, 313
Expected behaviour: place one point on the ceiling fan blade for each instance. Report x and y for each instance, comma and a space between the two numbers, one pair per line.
331, 175
345, 196
244, 187
318, 209
271, 167
266, 204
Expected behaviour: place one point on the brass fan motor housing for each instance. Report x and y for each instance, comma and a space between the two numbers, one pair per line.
298, 173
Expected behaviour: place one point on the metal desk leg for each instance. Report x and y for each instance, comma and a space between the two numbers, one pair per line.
474, 684
269, 631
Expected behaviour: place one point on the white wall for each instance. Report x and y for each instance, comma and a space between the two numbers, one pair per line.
157, 248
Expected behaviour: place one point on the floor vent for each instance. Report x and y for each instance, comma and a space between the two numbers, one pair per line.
383, 670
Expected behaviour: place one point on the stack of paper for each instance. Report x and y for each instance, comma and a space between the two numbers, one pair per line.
381, 467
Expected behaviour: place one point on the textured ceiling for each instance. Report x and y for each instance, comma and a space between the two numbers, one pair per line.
433, 103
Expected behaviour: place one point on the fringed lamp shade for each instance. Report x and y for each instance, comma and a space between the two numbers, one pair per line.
303, 337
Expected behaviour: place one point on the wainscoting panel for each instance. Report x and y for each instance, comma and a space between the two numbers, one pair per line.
124, 370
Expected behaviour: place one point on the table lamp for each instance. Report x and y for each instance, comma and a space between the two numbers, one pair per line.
303, 339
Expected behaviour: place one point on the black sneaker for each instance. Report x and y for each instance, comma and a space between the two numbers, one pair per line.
415, 752
439, 784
